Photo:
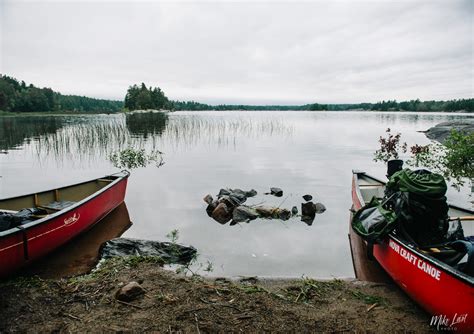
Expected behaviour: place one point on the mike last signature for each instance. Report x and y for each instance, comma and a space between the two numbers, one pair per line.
443, 321
71, 220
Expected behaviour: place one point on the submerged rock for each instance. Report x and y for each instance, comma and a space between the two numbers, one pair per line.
167, 251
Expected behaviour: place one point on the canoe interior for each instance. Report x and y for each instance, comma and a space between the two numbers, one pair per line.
65, 196
369, 187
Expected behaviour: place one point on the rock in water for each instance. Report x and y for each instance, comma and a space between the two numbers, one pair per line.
319, 207
307, 220
222, 214
244, 214
307, 197
276, 192
208, 199
308, 209
129, 292
265, 211
211, 207
251, 193
167, 251
294, 211
283, 214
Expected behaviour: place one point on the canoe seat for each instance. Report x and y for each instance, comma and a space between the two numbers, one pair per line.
57, 205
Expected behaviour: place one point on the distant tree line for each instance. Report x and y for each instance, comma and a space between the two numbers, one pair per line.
191, 105
17, 96
417, 105
466, 105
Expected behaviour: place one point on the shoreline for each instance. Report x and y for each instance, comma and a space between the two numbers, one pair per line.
178, 303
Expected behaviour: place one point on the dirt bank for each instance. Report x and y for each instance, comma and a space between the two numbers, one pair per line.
174, 303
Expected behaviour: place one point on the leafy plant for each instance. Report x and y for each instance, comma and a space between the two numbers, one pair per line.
454, 160
131, 158
389, 147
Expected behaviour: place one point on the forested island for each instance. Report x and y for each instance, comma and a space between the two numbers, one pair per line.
17, 96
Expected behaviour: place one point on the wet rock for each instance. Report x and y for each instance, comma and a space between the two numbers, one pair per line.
167, 251
282, 214
276, 192
251, 193
319, 207
238, 194
307, 197
211, 207
129, 292
308, 209
308, 220
294, 211
208, 199
230, 201
244, 214
222, 214
223, 192
265, 211
441, 131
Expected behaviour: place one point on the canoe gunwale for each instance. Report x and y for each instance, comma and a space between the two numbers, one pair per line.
23, 228
439, 264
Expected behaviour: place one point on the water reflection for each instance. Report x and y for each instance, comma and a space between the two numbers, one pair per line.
146, 124
81, 254
15, 131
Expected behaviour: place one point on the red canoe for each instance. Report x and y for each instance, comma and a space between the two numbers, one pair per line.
54, 217
443, 291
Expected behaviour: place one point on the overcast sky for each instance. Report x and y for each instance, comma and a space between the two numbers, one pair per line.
244, 52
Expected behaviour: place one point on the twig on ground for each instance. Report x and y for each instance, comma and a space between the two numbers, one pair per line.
128, 304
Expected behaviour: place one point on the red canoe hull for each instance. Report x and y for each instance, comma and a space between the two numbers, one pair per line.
23, 246
441, 290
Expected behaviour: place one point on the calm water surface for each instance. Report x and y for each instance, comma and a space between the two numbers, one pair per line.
300, 152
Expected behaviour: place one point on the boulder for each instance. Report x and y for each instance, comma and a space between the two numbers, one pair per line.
222, 214
244, 214
129, 292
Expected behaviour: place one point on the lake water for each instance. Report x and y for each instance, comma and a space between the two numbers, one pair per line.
300, 152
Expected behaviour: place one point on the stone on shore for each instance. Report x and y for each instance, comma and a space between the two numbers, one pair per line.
129, 292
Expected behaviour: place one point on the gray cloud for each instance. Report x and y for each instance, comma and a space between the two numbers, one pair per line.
244, 52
